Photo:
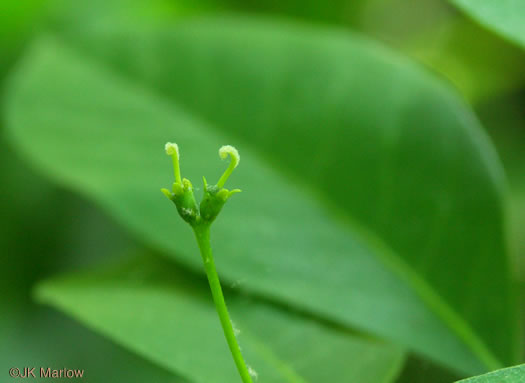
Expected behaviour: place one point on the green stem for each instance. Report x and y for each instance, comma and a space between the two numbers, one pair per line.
176, 168
226, 174
202, 234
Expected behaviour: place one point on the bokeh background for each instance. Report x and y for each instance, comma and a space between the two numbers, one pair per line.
46, 230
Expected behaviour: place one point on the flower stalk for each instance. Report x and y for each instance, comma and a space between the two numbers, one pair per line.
200, 217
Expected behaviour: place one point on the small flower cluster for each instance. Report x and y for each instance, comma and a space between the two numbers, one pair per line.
215, 196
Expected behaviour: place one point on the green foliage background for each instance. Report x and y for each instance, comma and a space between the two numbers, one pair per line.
379, 237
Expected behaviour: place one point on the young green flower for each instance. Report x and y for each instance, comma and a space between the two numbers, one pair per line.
182, 190
215, 196
200, 218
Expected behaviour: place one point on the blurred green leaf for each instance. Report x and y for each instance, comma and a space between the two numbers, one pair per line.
18, 21
478, 62
335, 11
420, 370
489, 66
17, 16
96, 14
372, 197
474, 59
41, 232
164, 314
504, 119
41, 338
506, 17
506, 375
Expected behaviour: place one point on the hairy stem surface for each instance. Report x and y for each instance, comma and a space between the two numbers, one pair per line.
202, 233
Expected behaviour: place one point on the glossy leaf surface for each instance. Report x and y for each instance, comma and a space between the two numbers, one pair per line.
163, 314
506, 375
506, 17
